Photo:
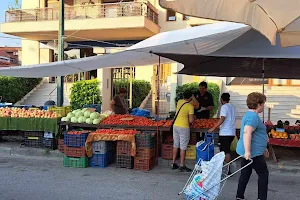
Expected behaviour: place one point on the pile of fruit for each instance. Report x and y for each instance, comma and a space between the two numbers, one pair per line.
128, 120
23, 113
84, 116
204, 123
116, 132
295, 137
77, 132
278, 135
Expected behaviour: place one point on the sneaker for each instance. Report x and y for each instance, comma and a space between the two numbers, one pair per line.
174, 166
184, 169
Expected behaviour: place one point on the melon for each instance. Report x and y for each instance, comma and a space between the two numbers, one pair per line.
78, 114
81, 119
94, 115
70, 115
74, 120
87, 114
89, 121
96, 121
65, 119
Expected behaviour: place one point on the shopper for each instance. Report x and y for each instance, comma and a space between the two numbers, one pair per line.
119, 104
181, 130
253, 145
227, 123
206, 103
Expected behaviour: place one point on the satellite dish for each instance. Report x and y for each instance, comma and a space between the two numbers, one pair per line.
53, 44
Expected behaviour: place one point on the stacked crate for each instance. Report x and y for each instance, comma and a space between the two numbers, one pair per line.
167, 147
145, 151
124, 158
103, 154
34, 139
191, 152
74, 150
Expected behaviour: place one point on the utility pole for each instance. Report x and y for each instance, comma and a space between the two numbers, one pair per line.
61, 51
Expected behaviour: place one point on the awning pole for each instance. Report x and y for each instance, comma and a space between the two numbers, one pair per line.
263, 79
158, 83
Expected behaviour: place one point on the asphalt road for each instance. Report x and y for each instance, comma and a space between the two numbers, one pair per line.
40, 179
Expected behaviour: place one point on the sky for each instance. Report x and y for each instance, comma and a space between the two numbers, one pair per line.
6, 41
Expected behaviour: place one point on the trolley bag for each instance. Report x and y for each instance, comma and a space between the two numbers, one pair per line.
205, 149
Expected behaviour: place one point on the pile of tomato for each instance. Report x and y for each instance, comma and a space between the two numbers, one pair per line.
168, 123
116, 132
204, 123
77, 132
137, 121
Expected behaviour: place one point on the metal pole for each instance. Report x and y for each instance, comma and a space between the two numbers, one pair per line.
263, 77
158, 84
130, 87
61, 33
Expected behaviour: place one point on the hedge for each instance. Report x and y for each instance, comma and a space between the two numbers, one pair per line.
194, 87
82, 93
13, 89
140, 89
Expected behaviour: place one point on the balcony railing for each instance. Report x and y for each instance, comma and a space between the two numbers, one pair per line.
109, 10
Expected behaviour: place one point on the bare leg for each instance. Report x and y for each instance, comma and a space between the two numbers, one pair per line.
175, 151
182, 157
227, 158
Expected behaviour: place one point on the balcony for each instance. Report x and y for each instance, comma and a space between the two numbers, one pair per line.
111, 21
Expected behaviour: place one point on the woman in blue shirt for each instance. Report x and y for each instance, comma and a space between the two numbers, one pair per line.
253, 145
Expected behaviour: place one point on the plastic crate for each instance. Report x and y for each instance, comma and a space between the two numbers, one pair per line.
61, 145
145, 139
193, 139
34, 134
167, 151
49, 143
191, 152
35, 142
124, 162
123, 148
74, 151
75, 140
75, 162
144, 164
59, 110
102, 147
145, 153
102, 160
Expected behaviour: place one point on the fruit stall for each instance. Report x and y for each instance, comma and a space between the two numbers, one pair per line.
284, 136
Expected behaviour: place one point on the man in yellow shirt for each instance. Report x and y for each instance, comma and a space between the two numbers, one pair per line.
181, 130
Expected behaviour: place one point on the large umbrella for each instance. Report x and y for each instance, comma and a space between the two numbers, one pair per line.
268, 17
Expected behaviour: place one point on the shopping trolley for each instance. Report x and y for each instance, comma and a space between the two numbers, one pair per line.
210, 192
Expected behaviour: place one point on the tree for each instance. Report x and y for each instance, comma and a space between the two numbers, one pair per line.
14, 5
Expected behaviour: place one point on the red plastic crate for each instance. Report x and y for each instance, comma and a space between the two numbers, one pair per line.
144, 164
76, 152
145, 153
61, 145
167, 151
124, 148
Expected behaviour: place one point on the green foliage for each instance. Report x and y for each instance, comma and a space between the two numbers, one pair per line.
82, 93
140, 89
13, 89
194, 87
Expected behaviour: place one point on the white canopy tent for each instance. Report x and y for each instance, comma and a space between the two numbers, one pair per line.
200, 40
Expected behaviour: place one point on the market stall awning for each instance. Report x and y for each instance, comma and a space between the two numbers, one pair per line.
268, 17
243, 57
197, 40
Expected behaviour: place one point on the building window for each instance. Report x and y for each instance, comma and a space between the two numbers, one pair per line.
171, 15
185, 17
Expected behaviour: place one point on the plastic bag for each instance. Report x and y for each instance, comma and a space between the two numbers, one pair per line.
234, 144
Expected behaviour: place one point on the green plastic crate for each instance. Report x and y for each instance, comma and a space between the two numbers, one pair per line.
75, 162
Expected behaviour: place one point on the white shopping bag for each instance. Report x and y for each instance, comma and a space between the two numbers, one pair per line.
206, 185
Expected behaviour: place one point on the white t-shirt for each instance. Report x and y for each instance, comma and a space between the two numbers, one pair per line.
228, 126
